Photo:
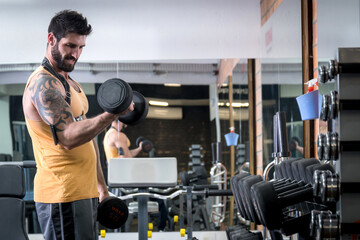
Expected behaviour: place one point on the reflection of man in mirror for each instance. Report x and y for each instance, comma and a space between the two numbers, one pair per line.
295, 148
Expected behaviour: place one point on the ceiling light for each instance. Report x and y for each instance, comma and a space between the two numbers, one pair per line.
236, 104
158, 103
172, 84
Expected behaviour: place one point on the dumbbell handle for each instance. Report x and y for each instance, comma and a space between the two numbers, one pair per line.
288, 187
301, 194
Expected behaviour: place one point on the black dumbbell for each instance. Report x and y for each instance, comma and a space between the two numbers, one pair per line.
331, 146
333, 105
231, 231
147, 145
312, 168
326, 186
245, 186
302, 165
115, 96
245, 195
286, 167
323, 74
332, 69
246, 235
286, 186
324, 113
269, 203
324, 225
112, 213
188, 179
321, 146
235, 187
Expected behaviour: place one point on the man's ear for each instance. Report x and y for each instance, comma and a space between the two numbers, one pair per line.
51, 39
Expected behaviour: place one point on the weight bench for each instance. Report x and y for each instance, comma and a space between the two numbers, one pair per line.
12, 205
142, 173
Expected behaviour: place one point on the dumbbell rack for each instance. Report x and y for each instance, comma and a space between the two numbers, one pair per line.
342, 144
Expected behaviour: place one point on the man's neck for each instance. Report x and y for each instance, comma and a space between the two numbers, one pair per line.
53, 64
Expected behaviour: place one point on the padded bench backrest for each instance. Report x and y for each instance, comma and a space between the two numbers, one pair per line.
12, 206
12, 181
142, 172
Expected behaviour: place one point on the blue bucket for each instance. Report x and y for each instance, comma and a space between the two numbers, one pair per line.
231, 139
309, 105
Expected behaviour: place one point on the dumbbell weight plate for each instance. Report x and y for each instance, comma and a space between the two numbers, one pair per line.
147, 145
321, 145
327, 146
324, 113
323, 74
301, 167
333, 105
334, 146
269, 204
333, 69
286, 166
114, 95
112, 213
140, 110
245, 185
236, 192
312, 168
138, 140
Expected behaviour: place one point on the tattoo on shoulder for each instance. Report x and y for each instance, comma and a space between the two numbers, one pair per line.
49, 100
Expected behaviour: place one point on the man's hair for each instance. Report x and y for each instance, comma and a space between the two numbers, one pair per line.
68, 21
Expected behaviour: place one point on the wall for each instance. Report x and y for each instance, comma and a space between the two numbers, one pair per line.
338, 26
5, 133
126, 30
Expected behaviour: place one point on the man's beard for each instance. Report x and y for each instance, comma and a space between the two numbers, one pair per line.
60, 62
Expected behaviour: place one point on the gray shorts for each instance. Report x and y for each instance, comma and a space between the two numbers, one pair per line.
68, 221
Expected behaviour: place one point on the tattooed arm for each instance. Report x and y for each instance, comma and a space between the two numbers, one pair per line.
47, 96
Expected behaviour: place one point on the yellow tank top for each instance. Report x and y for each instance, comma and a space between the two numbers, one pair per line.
110, 151
62, 175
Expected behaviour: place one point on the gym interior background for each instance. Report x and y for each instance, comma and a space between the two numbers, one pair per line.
153, 44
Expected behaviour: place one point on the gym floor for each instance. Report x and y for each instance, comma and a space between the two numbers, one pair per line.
203, 235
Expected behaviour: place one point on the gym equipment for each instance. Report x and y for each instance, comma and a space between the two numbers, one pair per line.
281, 146
310, 170
152, 172
269, 203
218, 176
323, 74
112, 213
147, 145
299, 167
328, 188
140, 112
324, 112
242, 232
245, 184
235, 187
197, 177
115, 96
328, 146
195, 157
324, 225
12, 205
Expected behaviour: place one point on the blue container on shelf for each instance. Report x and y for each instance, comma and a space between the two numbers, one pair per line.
231, 138
309, 105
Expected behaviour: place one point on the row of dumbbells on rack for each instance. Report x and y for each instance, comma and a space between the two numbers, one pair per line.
283, 205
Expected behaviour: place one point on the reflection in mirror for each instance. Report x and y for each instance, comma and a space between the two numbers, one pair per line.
173, 129
240, 114
281, 84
